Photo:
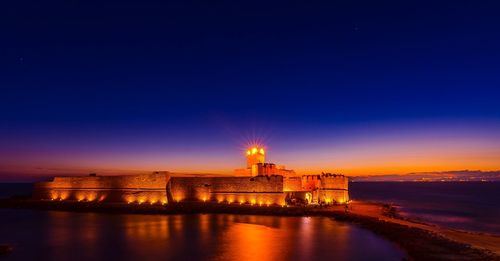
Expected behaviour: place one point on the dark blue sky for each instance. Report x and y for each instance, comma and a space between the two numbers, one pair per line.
76, 75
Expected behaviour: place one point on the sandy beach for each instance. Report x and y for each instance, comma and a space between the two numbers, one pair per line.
477, 240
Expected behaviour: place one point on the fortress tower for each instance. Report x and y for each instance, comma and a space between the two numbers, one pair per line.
257, 183
257, 166
255, 155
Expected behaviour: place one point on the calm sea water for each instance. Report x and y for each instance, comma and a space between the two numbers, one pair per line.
12, 189
80, 236
57, 235
473, 206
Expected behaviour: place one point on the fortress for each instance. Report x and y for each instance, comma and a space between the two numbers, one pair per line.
260, 183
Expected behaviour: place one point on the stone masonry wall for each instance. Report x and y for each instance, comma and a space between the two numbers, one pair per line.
189, 188
327, 188
334, 181
252, 190
143, 188
273, 183
292, 183
160, 187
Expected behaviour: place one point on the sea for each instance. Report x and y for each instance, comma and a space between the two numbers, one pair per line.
469, 206
59, 235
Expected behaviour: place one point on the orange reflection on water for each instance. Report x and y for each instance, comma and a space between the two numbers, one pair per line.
196, 237
251, 242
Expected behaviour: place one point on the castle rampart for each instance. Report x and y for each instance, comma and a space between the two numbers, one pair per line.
268, 184
327, 188
252, 190
141, 188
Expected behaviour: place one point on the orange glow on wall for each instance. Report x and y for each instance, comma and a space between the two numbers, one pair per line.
255, 155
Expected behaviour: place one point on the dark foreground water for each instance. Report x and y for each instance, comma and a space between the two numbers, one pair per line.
473, 206
55, 235
14, 189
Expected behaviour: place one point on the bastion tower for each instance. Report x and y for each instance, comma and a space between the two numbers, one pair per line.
255, 155
257, 166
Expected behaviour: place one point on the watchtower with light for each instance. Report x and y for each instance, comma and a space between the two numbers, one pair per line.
255, 155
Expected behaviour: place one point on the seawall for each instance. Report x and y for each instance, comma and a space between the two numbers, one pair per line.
244, 190
163, 187
142, 188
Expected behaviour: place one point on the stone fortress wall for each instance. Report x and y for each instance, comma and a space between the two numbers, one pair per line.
292, 183
260, 183
161, 187
140, 188
252, 190
327, 188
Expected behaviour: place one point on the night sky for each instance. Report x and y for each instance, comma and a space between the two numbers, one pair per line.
356, 87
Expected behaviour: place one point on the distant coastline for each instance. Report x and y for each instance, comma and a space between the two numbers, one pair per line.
444, 176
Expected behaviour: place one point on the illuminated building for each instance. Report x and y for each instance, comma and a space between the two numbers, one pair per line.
257, 166
258, 183
255, 155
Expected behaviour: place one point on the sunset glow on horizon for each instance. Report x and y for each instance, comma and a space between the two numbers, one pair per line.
190, 91
356, 150
244, 130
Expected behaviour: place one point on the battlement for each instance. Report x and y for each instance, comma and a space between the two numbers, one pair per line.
127, 188
267, 189
327, 187
261, 169
266, 184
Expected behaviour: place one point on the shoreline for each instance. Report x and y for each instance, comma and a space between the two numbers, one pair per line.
418, 240
480, 240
